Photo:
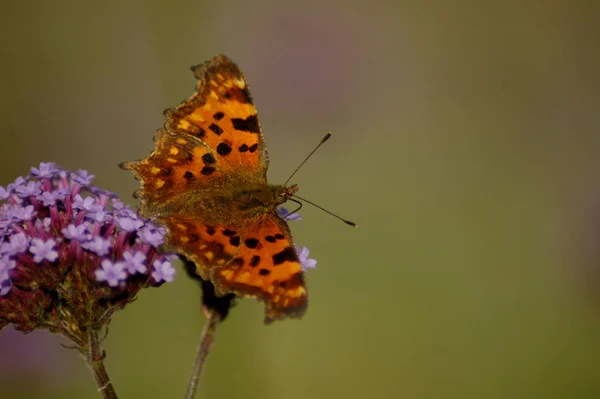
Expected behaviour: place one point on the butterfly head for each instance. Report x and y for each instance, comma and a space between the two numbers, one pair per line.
286, 192
281, 194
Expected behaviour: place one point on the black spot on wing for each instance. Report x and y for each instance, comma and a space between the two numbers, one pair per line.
216, 129
253, 147
264, 272
246, 97
208, 158
218, 116
243, 148
288, 254
255, 260
251, 243
270, 239
250, 124
223, 149
207, 170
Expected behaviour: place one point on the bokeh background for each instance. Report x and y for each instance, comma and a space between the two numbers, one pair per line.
466, 146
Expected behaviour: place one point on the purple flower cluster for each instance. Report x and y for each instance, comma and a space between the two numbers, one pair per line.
303, 252
69, 247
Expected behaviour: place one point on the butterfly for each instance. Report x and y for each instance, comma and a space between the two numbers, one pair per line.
206, 182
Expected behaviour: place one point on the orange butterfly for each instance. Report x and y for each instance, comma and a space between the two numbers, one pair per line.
206, 181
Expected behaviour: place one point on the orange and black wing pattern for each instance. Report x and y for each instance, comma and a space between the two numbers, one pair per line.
257, 260
221, 113
178, 164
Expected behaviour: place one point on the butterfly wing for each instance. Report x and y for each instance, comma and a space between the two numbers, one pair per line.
221, 113
256, 260
178, 164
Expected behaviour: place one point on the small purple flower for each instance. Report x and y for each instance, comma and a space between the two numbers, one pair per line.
305, 261
77, 233
17, 243
163, 271
19, 181
82, 177
46, 169
128, 213
4, 193
98, 245
134, 262
285, 214
152, 235
88, 204
49, 197
19, 213
101, 217
117, 204
43, 250
32, 188
63, 191
110, 272
129, 224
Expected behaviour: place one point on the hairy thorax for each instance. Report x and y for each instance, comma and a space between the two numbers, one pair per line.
226, 204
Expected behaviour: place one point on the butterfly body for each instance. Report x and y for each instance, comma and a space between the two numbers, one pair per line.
206, 182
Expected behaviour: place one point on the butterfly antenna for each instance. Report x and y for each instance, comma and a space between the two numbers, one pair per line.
327, 136
349, 223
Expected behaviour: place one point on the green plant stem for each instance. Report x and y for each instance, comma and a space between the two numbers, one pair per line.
95, 360
206, 340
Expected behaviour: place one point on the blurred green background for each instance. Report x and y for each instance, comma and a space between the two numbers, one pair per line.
465, 146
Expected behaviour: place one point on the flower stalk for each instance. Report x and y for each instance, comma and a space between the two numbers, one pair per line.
207, 339
95, 360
